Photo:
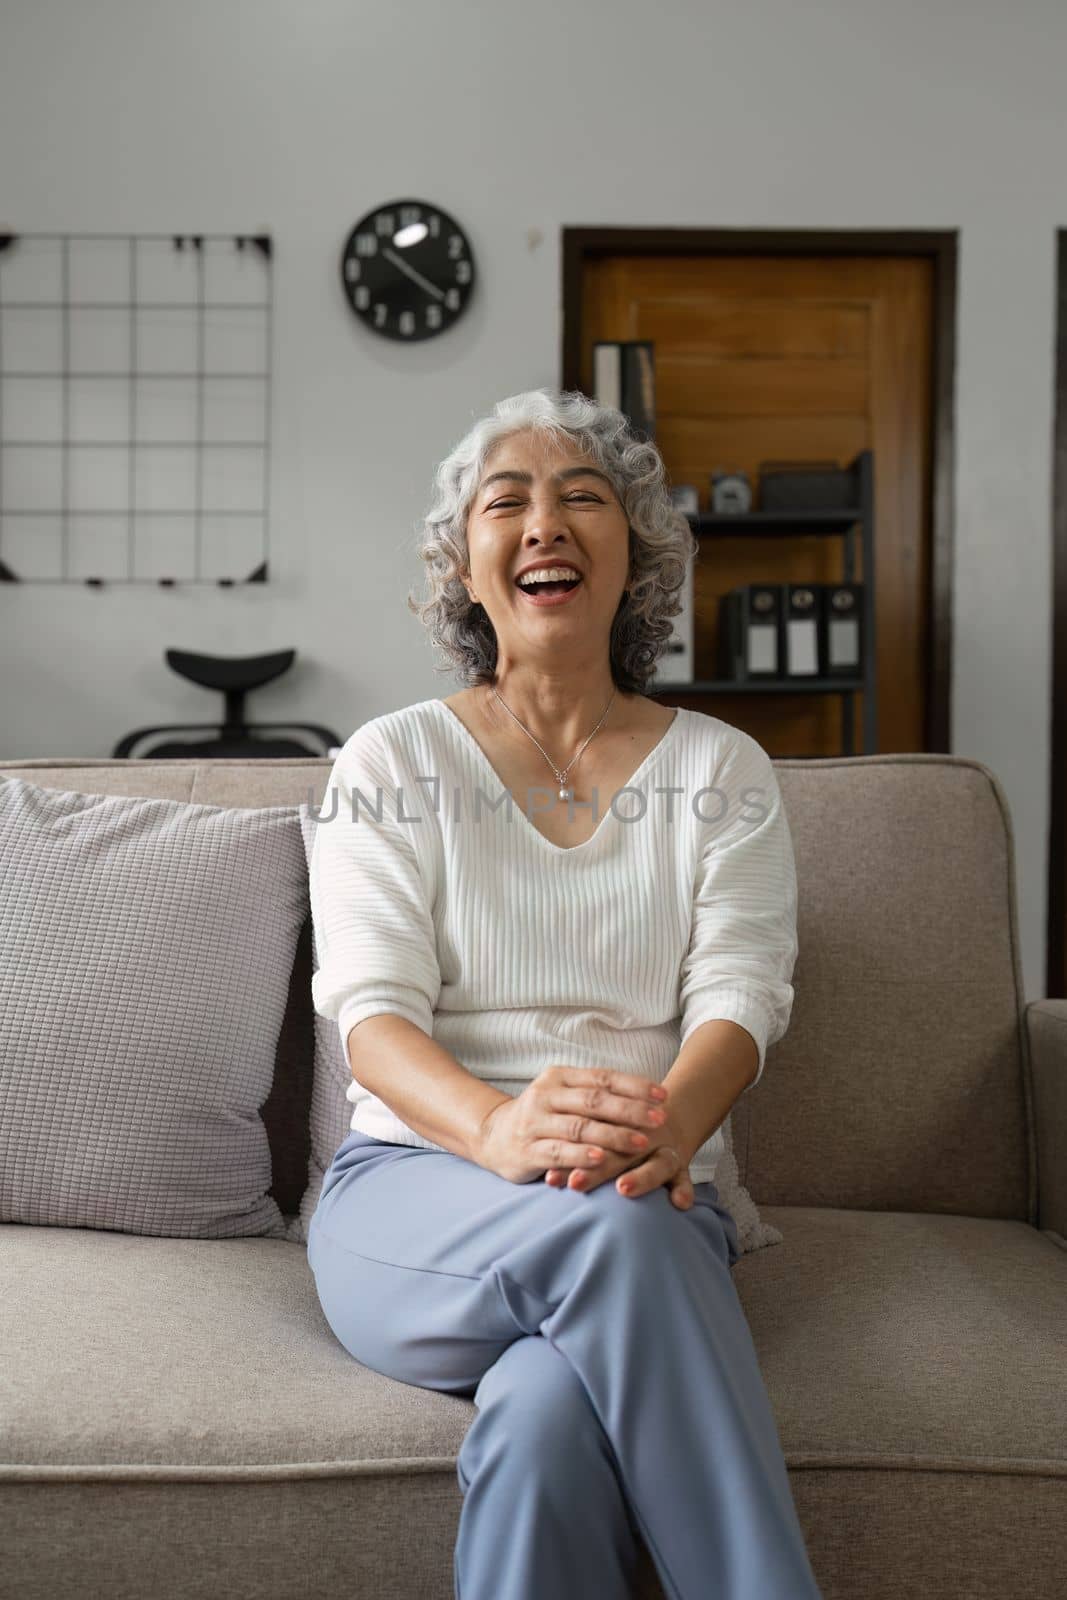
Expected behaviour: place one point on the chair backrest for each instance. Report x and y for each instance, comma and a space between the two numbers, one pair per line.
903, 1080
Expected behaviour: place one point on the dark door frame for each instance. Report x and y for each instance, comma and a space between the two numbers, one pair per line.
579, 244
1056, 942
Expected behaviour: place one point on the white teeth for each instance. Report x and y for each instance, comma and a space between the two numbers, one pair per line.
547, 575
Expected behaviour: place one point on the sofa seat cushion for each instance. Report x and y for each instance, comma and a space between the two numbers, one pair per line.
120, 1348
902, 1338
132, 1364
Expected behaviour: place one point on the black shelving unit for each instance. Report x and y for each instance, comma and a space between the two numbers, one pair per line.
841, 523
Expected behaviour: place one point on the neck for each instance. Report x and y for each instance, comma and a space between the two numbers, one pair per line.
558, 712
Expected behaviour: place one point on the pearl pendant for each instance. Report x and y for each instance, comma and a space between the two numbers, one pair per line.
566, 794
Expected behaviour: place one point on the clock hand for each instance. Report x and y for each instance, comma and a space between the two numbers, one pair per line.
416, 277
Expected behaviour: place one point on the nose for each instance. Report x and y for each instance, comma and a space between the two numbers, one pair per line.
545, 522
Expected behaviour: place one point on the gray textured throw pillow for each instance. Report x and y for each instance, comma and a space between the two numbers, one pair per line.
146, 951
331, 1114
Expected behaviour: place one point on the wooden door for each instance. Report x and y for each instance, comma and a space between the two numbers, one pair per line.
769, 358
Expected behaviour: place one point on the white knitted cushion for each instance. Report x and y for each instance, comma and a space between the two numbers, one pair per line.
146, 950
331, 1115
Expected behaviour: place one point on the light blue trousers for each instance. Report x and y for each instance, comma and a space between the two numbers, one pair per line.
617, 1387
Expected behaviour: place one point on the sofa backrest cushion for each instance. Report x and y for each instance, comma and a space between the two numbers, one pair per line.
902, 1082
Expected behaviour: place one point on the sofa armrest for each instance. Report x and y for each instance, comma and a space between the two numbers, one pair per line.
1046, 1022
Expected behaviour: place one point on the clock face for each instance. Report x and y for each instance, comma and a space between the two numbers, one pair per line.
407, 270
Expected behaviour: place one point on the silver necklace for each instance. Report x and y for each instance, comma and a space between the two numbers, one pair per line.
565, 793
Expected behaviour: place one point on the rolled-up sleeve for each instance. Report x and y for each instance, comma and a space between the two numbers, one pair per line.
374, 929
743, 943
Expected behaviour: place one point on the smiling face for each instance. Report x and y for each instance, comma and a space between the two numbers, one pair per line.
539, 502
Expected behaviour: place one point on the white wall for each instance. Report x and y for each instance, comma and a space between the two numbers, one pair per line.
239, 115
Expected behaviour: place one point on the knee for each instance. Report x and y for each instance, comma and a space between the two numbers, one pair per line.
645, 1225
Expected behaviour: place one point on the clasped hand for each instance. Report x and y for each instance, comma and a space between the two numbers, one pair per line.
658, 1164
605, 1123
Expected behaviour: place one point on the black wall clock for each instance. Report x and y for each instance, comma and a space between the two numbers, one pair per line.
407, 270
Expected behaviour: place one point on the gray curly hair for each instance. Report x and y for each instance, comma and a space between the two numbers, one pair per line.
661, 542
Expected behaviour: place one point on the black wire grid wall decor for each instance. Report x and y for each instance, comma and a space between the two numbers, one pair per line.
135, 404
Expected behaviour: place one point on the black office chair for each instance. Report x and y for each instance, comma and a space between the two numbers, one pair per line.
233, 676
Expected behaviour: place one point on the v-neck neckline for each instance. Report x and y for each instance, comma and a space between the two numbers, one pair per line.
464, 733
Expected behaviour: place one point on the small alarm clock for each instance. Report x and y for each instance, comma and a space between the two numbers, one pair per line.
731, 493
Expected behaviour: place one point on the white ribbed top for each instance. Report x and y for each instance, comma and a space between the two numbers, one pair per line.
435, 897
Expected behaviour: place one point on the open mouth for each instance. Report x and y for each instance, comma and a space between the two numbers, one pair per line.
553, 593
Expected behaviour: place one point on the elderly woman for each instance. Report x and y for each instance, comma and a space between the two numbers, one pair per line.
556, 926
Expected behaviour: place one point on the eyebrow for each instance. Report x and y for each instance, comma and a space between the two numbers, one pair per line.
558, 477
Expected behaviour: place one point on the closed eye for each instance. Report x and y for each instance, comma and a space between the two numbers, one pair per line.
595, 499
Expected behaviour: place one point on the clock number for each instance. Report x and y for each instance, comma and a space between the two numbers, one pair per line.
385, 222
435, 225
362, 297
366, 244
452, 299
380, 314
455, 246
408, 215
433, 316
407, 322
463, 272
352, 270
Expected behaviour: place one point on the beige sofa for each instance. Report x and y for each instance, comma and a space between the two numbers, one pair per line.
177, 1419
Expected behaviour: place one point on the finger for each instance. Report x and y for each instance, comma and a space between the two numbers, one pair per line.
594, 1157
627, 1085
633, 1109
650, 1174
614, 1163
603, 1141
585, 1178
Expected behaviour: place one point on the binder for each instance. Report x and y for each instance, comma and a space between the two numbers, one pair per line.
750, 633
802, 613
607, 373
624, 377
675, 665
841, 638
786, 631
639, 388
